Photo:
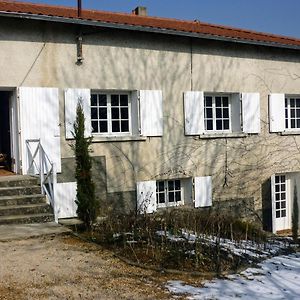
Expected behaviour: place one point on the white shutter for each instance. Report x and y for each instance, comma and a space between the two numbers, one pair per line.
151, 113
65, 196
146, 196
72, 98
39, 119
194, 112
235, 107
251, 112
203, 191
135, 113
273, 203
277, 112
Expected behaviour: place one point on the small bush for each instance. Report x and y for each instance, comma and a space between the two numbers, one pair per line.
295, 215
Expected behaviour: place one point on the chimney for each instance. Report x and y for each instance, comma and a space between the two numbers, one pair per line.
140, 11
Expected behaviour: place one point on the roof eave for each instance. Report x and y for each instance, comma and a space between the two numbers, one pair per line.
144, 29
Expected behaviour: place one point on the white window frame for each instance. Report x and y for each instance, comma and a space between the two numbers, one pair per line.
287, 108
109, 117
214, 118
166, 194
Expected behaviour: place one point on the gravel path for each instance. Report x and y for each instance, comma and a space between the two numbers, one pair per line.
64, 267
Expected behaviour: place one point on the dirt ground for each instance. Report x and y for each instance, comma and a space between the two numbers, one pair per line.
64, 267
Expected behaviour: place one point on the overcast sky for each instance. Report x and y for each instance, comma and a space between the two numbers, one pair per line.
273, 16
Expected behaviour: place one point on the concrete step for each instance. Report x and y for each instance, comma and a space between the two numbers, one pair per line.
19, 190
26, 219
25, 209
18, 180
22, 200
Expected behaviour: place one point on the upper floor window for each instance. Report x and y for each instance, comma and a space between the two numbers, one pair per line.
217, 113
110, 113
292, 113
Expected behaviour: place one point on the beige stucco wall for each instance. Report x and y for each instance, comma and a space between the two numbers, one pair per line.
39, 54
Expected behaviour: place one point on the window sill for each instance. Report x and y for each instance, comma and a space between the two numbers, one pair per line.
100, 139
294, 132
223, 135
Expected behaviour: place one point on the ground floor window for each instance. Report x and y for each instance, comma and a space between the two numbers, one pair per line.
169, 193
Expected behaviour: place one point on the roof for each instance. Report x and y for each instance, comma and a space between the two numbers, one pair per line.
144, 23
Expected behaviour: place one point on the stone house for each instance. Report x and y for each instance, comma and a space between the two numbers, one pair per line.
182, 113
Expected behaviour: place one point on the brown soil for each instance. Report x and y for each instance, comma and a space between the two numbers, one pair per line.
64, 267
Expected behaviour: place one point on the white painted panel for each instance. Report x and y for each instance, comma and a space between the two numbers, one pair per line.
39, 119
203, 191
251, 112
72, 98
194, 112
135, 118
65, 195
235, 108
146, 196
151, 113
277, 112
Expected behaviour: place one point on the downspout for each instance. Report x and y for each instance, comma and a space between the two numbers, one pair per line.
79, 38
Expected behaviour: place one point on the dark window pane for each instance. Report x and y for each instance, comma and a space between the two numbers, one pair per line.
282, 178
225, 101
161, 186
209, 113
124, 126
297, 102
177, 184
293, 114
218, 101
208, 101
124, 100
103, 126
219, 113
171, 197
283, 187
94, 113
293, 123
103, 113
171, 185
283, 204
286, 113
277, 205
226, 113
161, 198
226, 124
177, 196
102, 100
298, 113
95, 126
277, 196
282, 196
219, 125
124, 113
276, 188
115, 113
292, 102
286, 124
286, 102
278, 214
283, 213
209, 125
94, 100
115, 126
277, 179
115, 100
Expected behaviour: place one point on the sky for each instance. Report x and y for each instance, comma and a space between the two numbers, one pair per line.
272, 16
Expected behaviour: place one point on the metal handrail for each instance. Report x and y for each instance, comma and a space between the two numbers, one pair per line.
40, 164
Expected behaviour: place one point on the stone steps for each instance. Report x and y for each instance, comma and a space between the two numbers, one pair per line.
21, 201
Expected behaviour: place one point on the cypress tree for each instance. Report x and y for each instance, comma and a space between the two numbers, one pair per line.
86, 201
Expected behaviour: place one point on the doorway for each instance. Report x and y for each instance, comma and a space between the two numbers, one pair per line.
5, 140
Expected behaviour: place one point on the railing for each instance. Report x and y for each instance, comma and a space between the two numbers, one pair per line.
40, 165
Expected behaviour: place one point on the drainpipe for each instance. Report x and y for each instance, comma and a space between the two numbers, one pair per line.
79, 37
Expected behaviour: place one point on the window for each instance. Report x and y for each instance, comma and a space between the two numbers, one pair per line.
280, 196
169, 193
110, 113
217, 113
292, 113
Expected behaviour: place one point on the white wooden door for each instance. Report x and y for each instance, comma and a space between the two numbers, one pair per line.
281, 212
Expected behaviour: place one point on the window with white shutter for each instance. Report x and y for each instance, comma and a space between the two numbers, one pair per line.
217, 113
